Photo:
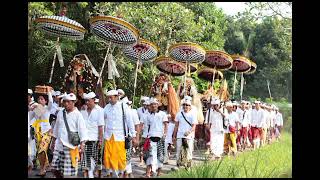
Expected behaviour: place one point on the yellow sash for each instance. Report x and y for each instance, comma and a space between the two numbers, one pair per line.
74, 154
36, 124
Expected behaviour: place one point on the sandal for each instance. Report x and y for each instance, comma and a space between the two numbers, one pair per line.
43, 174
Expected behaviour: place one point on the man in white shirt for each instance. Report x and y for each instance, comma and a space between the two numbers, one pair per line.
278, 123
135, 118
244, 123
265, 124
168, 140
216, 129
272, 123
257, 121
184, 132
93, 116
144, 112
157, 130
249, 140
230, 132
118, 125
66, 155
32, 142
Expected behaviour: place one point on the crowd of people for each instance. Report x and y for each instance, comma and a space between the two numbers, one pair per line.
65, 139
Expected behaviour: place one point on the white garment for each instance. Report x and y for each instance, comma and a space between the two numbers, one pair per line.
29, 134
279, 119
246, 121
54, 108
268, 119
153, 159
141, 112
156, 120
114, 121
193, 109
45, 126
216, 121
128, 168
135, 116
273, 119
92, 121
171, 126
76, 124
216, 132
190, 143
216, 142
184, 126
144, 122
240, 112
231, 120
257, 118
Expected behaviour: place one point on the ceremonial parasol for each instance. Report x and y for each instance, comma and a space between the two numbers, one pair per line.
60, 26
240, 64
217, 60
253, 68
188, 53
207, 74
141, 52
169, 66
113, 30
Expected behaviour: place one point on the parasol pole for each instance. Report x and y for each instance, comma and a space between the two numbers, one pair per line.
185, 79
234, 83
135, 77
213, 75
104, 63
241, 88
53, 63
268, 83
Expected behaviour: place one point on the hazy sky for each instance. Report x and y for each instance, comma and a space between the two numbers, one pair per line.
231, 8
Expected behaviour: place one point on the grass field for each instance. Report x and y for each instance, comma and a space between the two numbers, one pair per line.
273, 160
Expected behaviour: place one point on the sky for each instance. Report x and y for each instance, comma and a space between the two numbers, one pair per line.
231, 8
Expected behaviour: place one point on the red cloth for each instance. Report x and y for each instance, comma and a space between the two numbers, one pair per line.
250, 135
255, 133
232, 129
244, 132
146, 145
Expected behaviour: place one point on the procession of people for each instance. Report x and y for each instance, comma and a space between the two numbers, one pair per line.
68, 140
82, 129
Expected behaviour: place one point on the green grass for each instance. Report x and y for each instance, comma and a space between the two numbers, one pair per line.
273, 160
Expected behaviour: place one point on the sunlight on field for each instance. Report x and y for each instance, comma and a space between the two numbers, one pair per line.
273, 160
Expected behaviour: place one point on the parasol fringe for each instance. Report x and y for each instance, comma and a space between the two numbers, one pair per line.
52, 67
59, 54
104, 62
94, 71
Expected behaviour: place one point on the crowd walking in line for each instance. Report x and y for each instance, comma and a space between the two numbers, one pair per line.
65, 139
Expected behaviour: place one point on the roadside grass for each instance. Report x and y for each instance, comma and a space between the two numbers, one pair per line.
270, 161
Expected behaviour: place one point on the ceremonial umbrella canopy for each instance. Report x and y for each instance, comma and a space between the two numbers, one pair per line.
169, 66
207, 74
187, 53
218, 59
114, 31
253, 68
141, 52
60, 26
240, 64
